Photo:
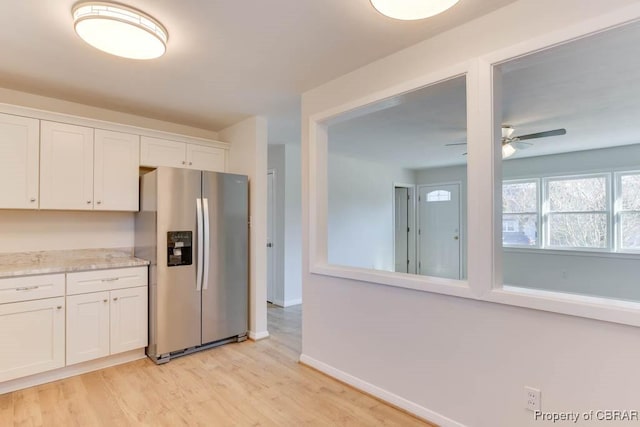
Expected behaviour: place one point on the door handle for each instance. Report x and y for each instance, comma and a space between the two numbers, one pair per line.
455, 237
269, 245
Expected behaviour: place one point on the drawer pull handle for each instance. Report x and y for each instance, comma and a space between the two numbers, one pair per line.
112, 279
105, 300
59, 307
27, 288
115, 299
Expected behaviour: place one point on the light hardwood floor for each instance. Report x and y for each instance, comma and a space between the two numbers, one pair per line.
245, 384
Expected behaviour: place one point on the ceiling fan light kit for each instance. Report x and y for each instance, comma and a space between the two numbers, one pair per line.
120, 30
410, 10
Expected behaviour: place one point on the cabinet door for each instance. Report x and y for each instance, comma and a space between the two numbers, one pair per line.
156, 152
66, 166
115, 182
128, 319
32, 337
87, 327
205, 158
19, 152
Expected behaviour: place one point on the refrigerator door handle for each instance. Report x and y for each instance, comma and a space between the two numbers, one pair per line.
205, 279
200, 255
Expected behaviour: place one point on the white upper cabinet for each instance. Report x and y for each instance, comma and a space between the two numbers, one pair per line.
115, 182
19, 152
156, 152
205, 158
66, 166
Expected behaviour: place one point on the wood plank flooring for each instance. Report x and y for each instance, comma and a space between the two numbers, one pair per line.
245, 384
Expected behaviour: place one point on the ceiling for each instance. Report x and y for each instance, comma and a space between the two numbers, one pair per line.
226, 60
590, 87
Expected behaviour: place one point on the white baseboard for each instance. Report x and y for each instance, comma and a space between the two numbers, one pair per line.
380, 393
287, 303
257, 336
71, 371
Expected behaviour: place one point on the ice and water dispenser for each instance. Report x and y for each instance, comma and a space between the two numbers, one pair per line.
179, 248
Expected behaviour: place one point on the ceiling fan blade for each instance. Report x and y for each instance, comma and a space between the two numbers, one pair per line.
554, 132
519, 145
457, 143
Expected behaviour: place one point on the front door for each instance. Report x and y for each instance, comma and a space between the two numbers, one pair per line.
439, 230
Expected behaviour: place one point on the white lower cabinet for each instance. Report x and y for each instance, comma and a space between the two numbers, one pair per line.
32, 337
111, 321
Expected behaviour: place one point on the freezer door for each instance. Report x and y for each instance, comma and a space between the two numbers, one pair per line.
178, 301
225, 290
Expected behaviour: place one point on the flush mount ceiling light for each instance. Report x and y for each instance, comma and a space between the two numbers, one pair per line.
409, 10
119, 30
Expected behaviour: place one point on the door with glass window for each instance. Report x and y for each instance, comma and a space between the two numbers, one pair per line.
439, 230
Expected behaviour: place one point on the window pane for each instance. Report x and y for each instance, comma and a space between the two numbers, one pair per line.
578, 230
630, 230
581, 194
520, 230
631, 192
519, 197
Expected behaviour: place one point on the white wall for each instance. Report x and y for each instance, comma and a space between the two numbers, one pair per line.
248, 156
293, 227
455, 360
285, 160
27, 231
360, 216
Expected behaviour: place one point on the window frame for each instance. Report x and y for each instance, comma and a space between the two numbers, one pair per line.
538, 212
617, 211
547, 213
484, 176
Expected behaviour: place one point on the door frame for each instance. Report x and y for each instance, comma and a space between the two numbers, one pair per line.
412, 221
460, 228
272, 225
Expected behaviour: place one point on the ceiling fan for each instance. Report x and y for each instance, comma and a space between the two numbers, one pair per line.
512, 143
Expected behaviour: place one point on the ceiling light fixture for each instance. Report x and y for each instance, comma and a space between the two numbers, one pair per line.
410, 10
119, 30
507, 150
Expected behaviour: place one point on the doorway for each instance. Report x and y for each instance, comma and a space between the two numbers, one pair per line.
439, 230
271, 266
404, 229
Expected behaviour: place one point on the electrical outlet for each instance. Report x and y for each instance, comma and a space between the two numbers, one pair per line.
532, 399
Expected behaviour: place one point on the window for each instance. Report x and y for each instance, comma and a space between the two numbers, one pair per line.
439, 196
520, 213
629, 211
578, 215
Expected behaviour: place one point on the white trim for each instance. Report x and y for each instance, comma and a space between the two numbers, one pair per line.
274, 258
106, 125
257, 336
71, 371
380, 393
290, 302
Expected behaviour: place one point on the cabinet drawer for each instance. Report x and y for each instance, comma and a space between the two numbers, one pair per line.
16, 289
105, 280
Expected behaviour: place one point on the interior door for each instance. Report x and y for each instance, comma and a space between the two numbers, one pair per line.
402, 229
439, 230
225, 289
271, 267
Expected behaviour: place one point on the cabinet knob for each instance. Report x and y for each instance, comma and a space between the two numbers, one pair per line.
33, 199
115, 299
59, 307
88, 202
184, 163
190, 163
99, 202
105, 300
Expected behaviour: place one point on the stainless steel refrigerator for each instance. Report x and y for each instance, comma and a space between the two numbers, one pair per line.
193, 228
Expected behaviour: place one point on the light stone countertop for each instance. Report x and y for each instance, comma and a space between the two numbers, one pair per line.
47, 262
